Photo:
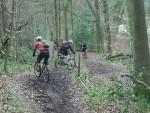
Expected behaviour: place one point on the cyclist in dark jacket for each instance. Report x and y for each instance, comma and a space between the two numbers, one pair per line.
83, 47
65, 47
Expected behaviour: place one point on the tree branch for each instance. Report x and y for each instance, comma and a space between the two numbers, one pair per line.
92, 9
21, 26
137, 81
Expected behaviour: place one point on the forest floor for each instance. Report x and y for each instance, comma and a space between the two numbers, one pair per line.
28, 94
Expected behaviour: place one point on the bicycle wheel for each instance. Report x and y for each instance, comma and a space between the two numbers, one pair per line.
45, 73
37, 70
84, 55
70, 64
58, 63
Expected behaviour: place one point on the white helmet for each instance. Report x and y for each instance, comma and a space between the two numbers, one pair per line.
71, 41
38, 38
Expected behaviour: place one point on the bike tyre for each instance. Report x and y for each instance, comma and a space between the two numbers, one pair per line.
45, 73
37, 70
70, 65
57, 63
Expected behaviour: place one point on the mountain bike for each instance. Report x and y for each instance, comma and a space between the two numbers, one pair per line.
64, 61
84, 55
41, 71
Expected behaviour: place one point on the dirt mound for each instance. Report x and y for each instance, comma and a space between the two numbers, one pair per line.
103, 69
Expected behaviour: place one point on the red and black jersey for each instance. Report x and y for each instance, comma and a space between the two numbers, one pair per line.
39, 46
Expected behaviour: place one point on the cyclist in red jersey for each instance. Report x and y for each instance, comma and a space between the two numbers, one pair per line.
42, 49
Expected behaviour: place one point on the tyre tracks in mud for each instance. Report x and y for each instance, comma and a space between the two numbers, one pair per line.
56, 96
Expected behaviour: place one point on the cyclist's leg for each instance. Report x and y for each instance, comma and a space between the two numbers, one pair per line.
39, 58
46, 57
46, 60
82, 52
85, 53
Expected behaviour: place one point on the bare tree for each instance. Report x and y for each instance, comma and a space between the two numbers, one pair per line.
138, 32
107, 26
56, 19
96, 13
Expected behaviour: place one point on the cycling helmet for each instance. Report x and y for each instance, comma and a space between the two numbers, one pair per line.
67, 42
71, 41
38, 38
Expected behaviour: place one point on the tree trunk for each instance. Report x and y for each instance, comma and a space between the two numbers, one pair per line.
107, 27
6, 56
16, 50
59, 20
71, 17
9, 35
56, 18
4, 40
4, 22
66, 28
100, 44
72, 25
99, 38
140, 42
46, 30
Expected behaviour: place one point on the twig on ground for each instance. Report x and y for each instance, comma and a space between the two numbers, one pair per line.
84, 85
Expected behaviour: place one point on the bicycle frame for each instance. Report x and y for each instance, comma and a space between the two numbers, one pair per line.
63, 60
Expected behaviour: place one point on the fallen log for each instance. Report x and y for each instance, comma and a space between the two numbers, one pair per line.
119, 56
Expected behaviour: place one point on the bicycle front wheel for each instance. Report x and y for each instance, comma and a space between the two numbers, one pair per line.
58, 63
70, 64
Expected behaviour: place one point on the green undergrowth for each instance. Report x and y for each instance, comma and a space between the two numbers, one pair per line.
21, 66
15, 68
103, 94
98, 88
14, 104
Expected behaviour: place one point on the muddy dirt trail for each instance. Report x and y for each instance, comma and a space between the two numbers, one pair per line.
57, 96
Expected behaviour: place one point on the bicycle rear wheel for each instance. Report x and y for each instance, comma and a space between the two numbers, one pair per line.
45, 73
37, 70
84, 55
